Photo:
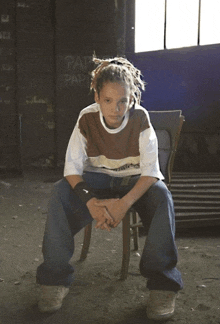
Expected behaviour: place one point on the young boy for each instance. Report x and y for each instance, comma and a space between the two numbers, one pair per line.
112, 153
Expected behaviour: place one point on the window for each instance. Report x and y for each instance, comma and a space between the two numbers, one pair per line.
182, 23
210, 22
161, 24
149, 25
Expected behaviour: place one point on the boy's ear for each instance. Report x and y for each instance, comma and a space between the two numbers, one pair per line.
96, 97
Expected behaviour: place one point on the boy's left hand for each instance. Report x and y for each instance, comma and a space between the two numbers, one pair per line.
116, 208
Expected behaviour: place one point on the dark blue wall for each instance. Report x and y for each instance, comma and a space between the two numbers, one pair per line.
187, 79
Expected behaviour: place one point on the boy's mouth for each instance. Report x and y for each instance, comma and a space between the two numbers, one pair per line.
115, 117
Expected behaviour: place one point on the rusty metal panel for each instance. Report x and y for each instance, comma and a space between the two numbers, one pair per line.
196, 199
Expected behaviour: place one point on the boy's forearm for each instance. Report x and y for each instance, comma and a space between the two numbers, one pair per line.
74, 179
84, 193
142, 185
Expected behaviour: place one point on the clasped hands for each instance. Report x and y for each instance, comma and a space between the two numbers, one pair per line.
108, 213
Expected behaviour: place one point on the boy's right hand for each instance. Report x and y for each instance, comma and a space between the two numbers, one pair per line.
100, 214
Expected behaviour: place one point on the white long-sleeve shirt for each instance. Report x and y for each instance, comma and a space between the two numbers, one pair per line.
130, 149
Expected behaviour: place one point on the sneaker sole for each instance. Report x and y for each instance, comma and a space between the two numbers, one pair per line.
43, 309
159, 317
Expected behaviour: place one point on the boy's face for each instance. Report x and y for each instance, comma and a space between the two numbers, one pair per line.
114, 100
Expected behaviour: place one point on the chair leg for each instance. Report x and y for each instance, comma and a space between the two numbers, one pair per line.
126, 246
86, 242
135, 230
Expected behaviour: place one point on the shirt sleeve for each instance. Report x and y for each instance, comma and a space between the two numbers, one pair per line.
75, 154
149, 162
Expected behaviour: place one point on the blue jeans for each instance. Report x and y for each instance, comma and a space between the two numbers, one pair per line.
67, 215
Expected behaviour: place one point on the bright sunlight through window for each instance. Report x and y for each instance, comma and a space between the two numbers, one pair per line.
182, 23
170, 24
210, 22
149, 25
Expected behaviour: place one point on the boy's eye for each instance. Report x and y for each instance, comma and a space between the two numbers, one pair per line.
124, 101
107, 100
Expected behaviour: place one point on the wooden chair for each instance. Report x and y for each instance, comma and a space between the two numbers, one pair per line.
168, 125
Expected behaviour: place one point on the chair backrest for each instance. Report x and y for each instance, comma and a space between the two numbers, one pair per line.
168, 125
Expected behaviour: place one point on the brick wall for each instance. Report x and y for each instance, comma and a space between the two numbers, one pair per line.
82, 28
9, 121
45, 51
35, 81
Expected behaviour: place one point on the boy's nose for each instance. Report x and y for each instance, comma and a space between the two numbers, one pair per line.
116, 108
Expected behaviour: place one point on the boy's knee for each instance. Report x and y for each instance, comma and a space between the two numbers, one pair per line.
160, 191
60, 187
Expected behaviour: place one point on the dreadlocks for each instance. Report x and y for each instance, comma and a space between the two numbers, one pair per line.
118, 70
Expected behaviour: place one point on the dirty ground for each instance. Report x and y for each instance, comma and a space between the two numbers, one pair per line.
97, 295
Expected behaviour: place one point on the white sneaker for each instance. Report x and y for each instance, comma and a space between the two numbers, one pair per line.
51, 298
161, 304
